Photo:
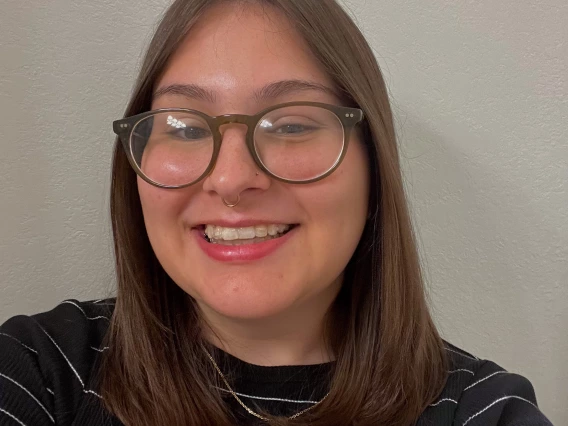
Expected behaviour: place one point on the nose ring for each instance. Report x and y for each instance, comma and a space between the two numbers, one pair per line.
238, 198
232, 204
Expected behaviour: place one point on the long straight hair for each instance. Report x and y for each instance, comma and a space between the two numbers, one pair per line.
390, 360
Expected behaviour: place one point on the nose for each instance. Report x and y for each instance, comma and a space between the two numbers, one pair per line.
235, 173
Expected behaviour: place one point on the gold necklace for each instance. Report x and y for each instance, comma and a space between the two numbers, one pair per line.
243, 404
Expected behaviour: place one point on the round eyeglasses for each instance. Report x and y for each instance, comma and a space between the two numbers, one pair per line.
297, 142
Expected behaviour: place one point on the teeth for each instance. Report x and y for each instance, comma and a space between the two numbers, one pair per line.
260, 231
218, 232
229, 234
272, 230
246, 233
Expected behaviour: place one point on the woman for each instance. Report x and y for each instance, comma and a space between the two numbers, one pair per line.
266, 266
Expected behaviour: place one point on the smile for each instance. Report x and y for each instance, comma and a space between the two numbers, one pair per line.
244, 235
245, 247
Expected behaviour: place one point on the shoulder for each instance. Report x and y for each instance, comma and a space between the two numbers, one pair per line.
480, 392
71, 324
50, 357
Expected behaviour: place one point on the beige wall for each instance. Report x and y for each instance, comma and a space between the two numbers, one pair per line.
481, 97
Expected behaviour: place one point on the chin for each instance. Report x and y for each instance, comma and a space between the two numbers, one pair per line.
244, 293
246, 302
248, 313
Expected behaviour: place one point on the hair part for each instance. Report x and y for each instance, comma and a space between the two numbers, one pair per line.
390, 360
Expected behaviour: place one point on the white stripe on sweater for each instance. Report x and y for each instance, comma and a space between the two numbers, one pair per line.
442, 400
25, 346
495, 402
68, 362
30, 394
462, 369
81, 309
464, 355
485, 378
12, 416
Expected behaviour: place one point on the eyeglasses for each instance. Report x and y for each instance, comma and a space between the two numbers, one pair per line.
297, 142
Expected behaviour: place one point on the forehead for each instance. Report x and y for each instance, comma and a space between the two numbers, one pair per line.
234, 50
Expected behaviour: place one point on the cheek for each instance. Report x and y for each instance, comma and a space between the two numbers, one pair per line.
162, 210
174, 163
152, 201
338, 205
345, 197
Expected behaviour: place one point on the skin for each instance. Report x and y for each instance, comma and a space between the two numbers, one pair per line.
270, 311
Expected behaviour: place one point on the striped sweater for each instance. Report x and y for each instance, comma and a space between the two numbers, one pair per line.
47, 364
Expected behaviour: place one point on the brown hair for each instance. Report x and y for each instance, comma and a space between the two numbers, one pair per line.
390, 360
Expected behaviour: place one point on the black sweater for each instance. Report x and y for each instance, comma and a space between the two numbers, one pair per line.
47, 364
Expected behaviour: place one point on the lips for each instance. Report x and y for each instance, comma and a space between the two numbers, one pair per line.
241, 250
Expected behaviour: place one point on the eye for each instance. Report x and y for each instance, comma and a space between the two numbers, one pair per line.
190, 133
290, 125
186, 128
293, 129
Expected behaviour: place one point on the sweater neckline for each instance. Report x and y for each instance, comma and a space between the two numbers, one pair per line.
253, 373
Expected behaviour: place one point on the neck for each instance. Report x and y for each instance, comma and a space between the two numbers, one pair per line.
294, 337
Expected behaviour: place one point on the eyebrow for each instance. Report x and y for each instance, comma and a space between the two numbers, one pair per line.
191, 91
269, 92
287, 87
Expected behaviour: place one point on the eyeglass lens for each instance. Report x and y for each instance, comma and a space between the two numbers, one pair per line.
296, 143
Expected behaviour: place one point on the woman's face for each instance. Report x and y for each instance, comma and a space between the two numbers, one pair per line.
228, 59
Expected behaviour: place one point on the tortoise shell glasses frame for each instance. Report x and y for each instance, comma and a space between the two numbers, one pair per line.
347, 116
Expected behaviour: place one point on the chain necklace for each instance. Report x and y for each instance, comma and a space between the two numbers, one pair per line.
243, 404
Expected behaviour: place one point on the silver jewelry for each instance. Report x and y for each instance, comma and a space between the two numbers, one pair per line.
232, 204
242, 404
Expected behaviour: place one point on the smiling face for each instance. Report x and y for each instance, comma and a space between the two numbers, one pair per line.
241, 61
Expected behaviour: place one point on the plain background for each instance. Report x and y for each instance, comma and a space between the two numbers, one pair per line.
480, 94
